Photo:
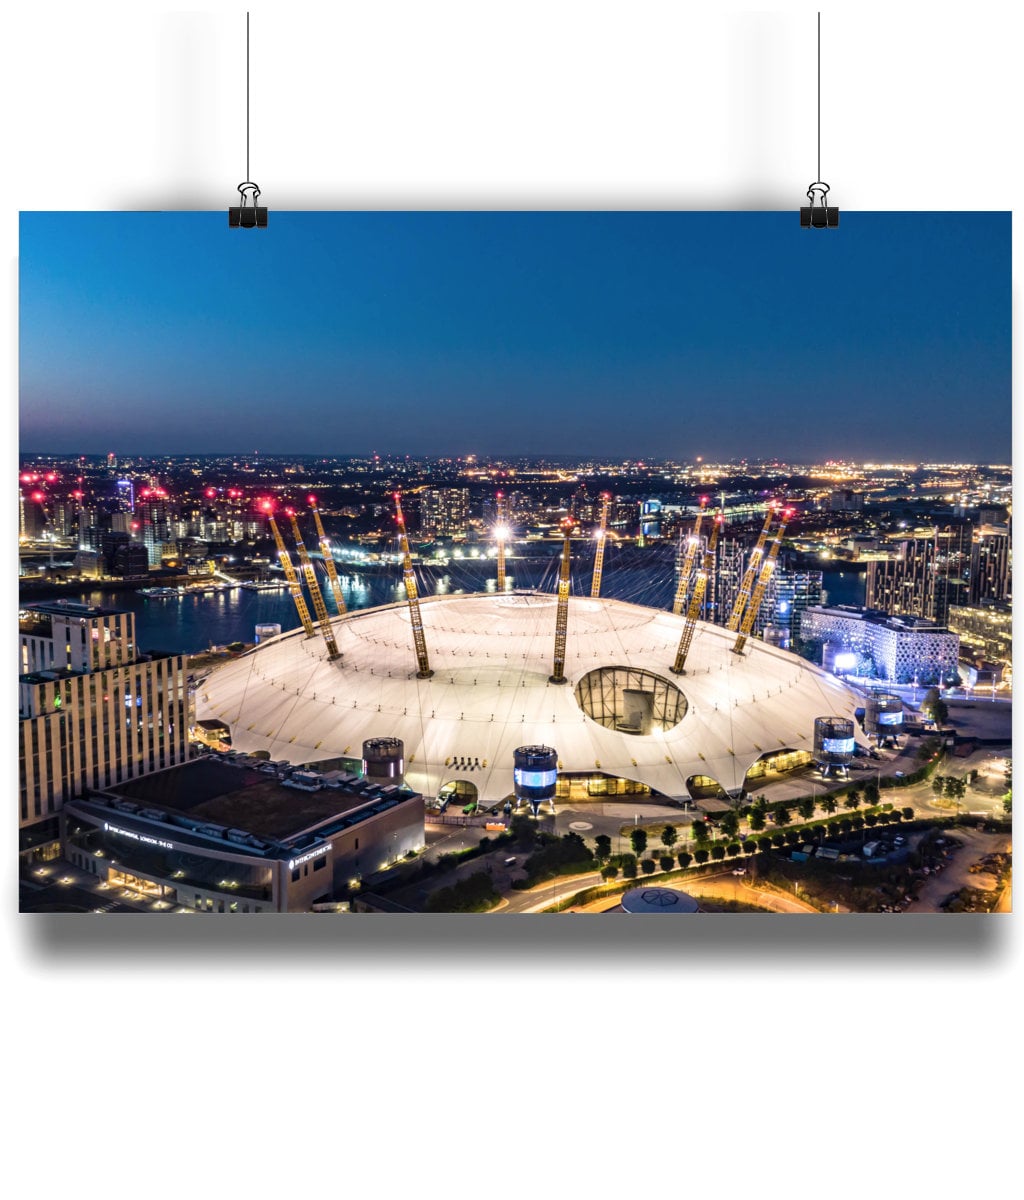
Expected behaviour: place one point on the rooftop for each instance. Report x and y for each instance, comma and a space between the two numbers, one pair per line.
241, 797
70, 608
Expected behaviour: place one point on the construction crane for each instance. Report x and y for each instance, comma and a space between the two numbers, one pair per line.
562, 616
325, 550
749, 575
289, 573
602, 537
412, 595
500, 534
691, 555
314, 589
699, 587
762, 583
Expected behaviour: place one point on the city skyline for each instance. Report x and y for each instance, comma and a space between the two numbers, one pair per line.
667, 335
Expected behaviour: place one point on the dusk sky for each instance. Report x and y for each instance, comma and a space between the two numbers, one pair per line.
665, 335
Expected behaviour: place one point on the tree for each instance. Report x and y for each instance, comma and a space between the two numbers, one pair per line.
638, 840
871, 819
608, 871
938, 785
907, 813
778, 840
603, 847
764, 844
699, 831
940, 712
648, 866
757, 821
669, 836
871, 793
628, 863
718, 852
524, 831
782, 816
733, 849
806, 808
828, 804
750, 846
667, 862
852, 799
700, 856
730, 824
684, 858
793, 837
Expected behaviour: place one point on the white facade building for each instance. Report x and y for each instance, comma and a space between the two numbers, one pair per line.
901, 649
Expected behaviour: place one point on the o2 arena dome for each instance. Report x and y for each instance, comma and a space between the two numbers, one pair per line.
621, 721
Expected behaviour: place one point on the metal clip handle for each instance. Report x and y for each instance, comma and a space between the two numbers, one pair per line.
250, 193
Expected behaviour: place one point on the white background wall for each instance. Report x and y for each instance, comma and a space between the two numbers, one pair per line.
514, 1043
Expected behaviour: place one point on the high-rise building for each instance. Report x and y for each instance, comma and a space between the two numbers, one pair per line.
924, 577
444, 512
787, 594
93, 711
153, 516
990, 564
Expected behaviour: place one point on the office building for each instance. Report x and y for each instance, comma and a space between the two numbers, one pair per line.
93, 710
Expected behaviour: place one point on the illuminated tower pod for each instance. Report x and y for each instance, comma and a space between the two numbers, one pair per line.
750, 616
562, 616
699, 587
415, 617
325, 550
293, 582
602, 538
747, 586
500, 534
691, 554
314, 590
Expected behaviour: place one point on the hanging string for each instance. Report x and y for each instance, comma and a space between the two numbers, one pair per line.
247, 93
819, 95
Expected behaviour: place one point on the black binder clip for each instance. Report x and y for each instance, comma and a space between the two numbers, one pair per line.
248, 215
818, 214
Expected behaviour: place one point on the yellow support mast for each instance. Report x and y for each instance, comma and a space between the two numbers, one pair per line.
749, 575
314, 589
501, 532
691, 555
602, 537
762, 583
289, 573
412, 595
325, 550
562, 616
699, 587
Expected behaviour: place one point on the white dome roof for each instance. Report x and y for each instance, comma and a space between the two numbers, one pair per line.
492, 655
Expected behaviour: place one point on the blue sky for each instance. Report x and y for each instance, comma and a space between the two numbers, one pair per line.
666, 334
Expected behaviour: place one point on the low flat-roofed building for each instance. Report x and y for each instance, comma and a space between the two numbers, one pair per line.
985, 631
230, 833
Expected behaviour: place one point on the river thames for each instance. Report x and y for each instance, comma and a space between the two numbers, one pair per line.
192, 623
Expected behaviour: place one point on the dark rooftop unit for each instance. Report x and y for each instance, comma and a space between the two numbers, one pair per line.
240, 797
